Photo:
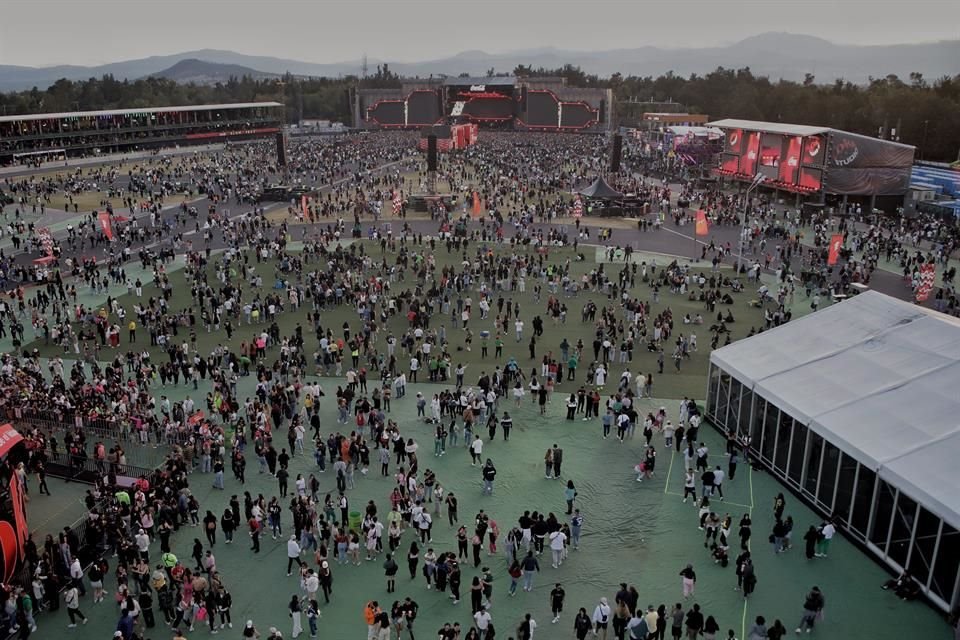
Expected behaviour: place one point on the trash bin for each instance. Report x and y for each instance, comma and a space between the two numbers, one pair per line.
356, 520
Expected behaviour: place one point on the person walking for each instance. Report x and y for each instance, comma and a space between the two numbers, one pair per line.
293, 553
71, 598
489, 474
601, 619
557, 595
689, 581
582, 624
827, 531
390, 569
529, 565
812, 610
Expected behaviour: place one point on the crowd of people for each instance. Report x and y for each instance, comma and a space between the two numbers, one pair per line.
113, 365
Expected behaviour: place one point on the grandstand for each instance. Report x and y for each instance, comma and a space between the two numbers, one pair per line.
35, 138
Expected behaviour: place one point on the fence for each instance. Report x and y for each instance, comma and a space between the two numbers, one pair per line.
110, 432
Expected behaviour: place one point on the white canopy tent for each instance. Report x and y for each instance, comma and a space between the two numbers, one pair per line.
876, 376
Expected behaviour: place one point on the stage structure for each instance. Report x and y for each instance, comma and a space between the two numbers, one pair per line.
814, 161
449, 137
43, 137
505, 103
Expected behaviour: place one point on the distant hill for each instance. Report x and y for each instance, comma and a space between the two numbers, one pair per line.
203, 72
776, 55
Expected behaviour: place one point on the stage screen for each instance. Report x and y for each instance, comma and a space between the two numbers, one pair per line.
814, 151
543, 110
423, 107
770, 148
578, 115
734, 141
790, 160
489, 107
388, 113
750, 158
811, 178
730, 162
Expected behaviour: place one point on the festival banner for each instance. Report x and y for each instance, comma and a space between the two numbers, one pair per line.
304, 208
836, 243
46, 240
578, 207
928, 274
476, 204
105, 224
702, 226
397, 202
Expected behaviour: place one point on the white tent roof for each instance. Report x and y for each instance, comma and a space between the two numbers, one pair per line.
877, 377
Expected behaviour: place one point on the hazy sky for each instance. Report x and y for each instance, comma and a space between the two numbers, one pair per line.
89, 32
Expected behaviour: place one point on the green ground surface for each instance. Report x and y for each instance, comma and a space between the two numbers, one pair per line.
639, 533
689, 381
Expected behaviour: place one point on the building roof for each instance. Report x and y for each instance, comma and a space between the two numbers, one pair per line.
875, 376
124, 112
496, 81
771, 127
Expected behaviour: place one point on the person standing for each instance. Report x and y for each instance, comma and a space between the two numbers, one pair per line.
557, 594
295, 615
827, 531
489, 474
812, 610
557, 460
293, 553
810, 539
390, 569
558, 540
569, 494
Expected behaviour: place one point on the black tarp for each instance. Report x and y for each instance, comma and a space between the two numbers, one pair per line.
600, 190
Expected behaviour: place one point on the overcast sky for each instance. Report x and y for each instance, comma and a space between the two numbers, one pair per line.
90, 32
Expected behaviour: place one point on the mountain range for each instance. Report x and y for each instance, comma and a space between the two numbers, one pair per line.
775, 55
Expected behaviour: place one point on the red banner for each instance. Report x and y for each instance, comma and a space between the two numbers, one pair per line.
476, 204
8, 438
836, 243
928, 275
13, 530
105, 224
702, 227
303, 205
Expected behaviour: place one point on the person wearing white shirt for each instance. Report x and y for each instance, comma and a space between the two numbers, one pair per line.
482, 619
293, 553
476, 449
557, 541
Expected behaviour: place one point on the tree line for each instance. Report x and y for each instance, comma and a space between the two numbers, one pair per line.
914, 110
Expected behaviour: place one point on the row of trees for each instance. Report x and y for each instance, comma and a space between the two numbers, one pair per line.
923, 113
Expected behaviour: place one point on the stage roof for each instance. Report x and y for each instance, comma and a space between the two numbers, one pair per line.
601, 190
875, 376
771, 127
126, 112
495, 81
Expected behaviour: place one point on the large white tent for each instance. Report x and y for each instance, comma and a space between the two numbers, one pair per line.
875, 377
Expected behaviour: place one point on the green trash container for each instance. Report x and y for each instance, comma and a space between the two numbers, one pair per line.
356, 520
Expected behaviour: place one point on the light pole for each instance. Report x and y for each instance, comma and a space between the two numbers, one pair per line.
757, 180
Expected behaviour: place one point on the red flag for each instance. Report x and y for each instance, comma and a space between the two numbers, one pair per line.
928, 274
303, 205
836, 243
702, 228
476, 203
105, 225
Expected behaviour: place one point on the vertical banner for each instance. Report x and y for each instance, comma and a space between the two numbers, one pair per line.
397, 202
702, 227
304, 208
476, 204
928, 274
578, 207
836, 243
105, 225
